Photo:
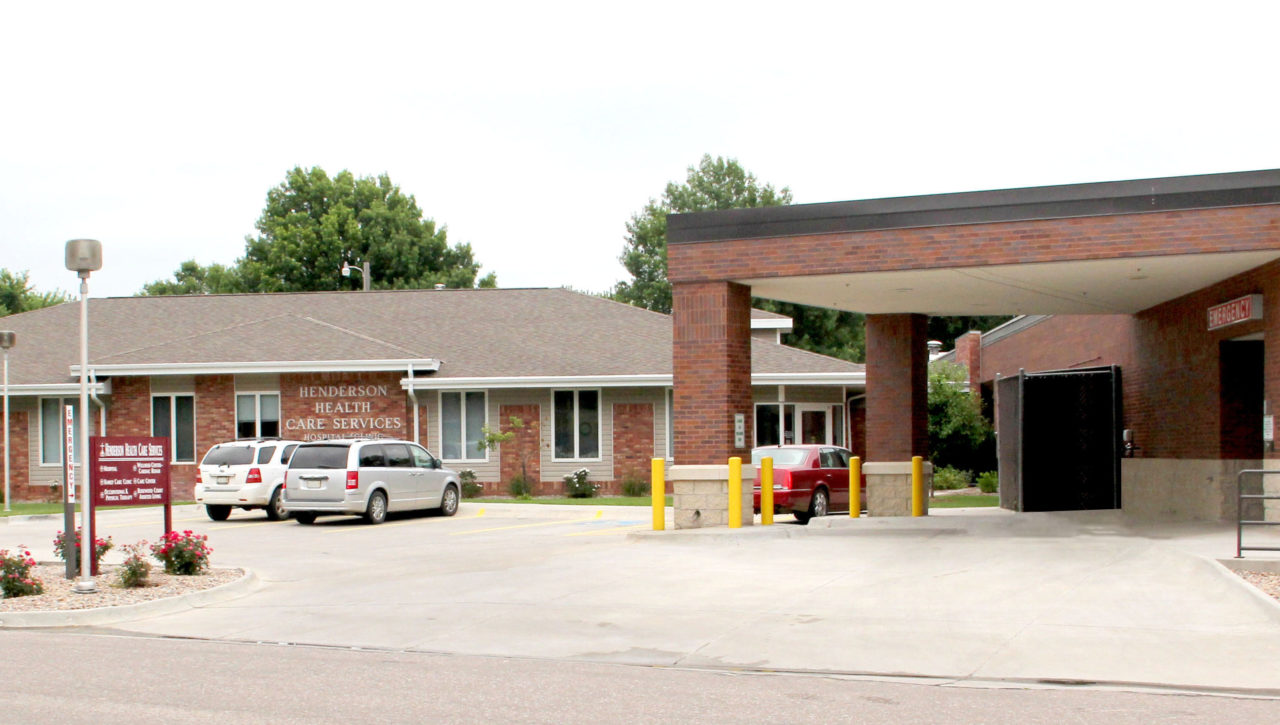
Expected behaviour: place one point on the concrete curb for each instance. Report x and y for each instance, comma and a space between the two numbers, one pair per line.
1228, 567
112, 615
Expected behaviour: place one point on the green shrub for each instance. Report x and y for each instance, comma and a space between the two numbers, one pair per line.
520, 487
184, 553
947, 478
136, 568
470, 489
15, 575
988, 482
576, 484
634, 486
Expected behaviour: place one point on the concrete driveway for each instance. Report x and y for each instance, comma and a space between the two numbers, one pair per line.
971, 595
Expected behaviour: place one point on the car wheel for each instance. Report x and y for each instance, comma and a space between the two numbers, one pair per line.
376, 511
305, 517
818, 505
802, 517
275, 507
217, 513
449, 504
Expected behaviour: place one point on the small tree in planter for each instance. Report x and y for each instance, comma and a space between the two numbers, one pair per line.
576, 484
492, 440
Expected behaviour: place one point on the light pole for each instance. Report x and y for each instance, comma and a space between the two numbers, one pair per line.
7, 340
363, 270
84, 256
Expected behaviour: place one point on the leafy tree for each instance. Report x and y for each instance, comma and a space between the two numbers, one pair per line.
312, 224
17, 294
947, 329
959, 436
719, 183
193, 279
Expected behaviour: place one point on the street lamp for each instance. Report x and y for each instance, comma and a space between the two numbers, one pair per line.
7, 340
363, 270
84, 256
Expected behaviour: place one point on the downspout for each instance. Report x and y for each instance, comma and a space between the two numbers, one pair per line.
102, 407
413, 395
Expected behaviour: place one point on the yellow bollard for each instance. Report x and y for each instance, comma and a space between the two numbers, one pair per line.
658, 493
766, 491
917, 486
735, 493
855, 487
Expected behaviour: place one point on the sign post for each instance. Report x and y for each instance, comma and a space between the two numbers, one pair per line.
69, 492
130, 471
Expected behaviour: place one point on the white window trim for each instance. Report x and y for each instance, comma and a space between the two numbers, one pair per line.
62, 402
462, 410
257, 411
173, 425
576, 408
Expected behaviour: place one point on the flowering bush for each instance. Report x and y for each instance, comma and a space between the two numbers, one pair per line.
576, 484
136, 568
100, 547
183, 552
15, 575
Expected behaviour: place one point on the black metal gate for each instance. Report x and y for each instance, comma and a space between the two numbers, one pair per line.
1059, 439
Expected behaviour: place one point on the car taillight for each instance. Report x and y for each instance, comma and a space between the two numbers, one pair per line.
198, 479
284, 482
255, 476
353, 480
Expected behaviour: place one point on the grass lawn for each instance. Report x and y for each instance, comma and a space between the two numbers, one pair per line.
965, 501
599, 501
36, 509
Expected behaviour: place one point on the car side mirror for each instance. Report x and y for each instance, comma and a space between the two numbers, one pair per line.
435, 462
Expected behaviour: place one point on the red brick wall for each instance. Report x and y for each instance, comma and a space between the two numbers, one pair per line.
1022, 242
1060, 343
20, 460
712, 369
969, 354
897, 422
130, 411
527, 443
858, 429
632, 444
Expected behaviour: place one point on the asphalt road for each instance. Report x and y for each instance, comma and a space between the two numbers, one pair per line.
94, 678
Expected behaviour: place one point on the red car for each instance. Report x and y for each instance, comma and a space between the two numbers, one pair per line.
808, 480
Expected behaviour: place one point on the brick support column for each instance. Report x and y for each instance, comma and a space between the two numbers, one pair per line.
712, 372
897, 409
969, 354
712, 369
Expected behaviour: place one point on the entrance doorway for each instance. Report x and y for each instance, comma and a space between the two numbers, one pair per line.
1242, 385
788, 423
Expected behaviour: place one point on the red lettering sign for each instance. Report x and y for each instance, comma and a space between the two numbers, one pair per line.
1237, 310
129, 470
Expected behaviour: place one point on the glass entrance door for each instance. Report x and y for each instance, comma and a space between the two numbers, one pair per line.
815, 425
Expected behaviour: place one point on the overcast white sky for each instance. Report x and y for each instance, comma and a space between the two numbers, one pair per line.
535, 130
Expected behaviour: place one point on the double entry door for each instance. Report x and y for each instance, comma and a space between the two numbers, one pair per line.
809, 423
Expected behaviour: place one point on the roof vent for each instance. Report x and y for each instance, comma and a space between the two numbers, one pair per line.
439, 285
935, 347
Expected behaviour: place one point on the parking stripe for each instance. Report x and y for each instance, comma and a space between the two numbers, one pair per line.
608, 531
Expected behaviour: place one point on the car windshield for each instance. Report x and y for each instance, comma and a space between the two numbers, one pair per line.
780, 456
228, 456
324, 456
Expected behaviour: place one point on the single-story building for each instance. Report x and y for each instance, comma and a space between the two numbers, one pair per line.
591, 379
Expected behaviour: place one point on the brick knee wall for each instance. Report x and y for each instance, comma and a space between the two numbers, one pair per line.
527, 443
632, 444
20, 488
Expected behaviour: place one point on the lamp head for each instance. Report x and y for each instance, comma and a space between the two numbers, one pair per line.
7, 339
346, 270
84, 256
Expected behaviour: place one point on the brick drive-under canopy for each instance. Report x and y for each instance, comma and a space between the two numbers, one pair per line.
1105, 248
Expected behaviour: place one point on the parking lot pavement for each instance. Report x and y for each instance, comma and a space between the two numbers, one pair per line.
1081, 597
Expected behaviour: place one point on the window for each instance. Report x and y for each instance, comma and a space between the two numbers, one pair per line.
52, 425
265, 453
576, 424
671, 424
462, 419
373, 456
174, 417
775, 424
258, 415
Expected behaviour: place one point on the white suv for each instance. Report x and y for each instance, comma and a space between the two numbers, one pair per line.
369, 477
247, 474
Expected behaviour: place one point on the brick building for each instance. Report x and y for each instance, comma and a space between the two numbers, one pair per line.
1171, 287
589, 379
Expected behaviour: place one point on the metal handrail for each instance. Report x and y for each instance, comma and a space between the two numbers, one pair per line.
1240, 499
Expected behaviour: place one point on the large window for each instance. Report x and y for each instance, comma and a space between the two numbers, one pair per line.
462, 420
577, 424
52, 424
174, 417
258, 415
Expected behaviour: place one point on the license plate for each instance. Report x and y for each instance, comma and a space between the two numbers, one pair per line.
312, 484
222, 480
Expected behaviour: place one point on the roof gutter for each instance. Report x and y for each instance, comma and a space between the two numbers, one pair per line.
620, 381
428, 365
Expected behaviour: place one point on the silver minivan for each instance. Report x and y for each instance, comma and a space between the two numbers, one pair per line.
368, 477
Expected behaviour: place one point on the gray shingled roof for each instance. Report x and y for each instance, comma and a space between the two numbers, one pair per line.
474, 333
